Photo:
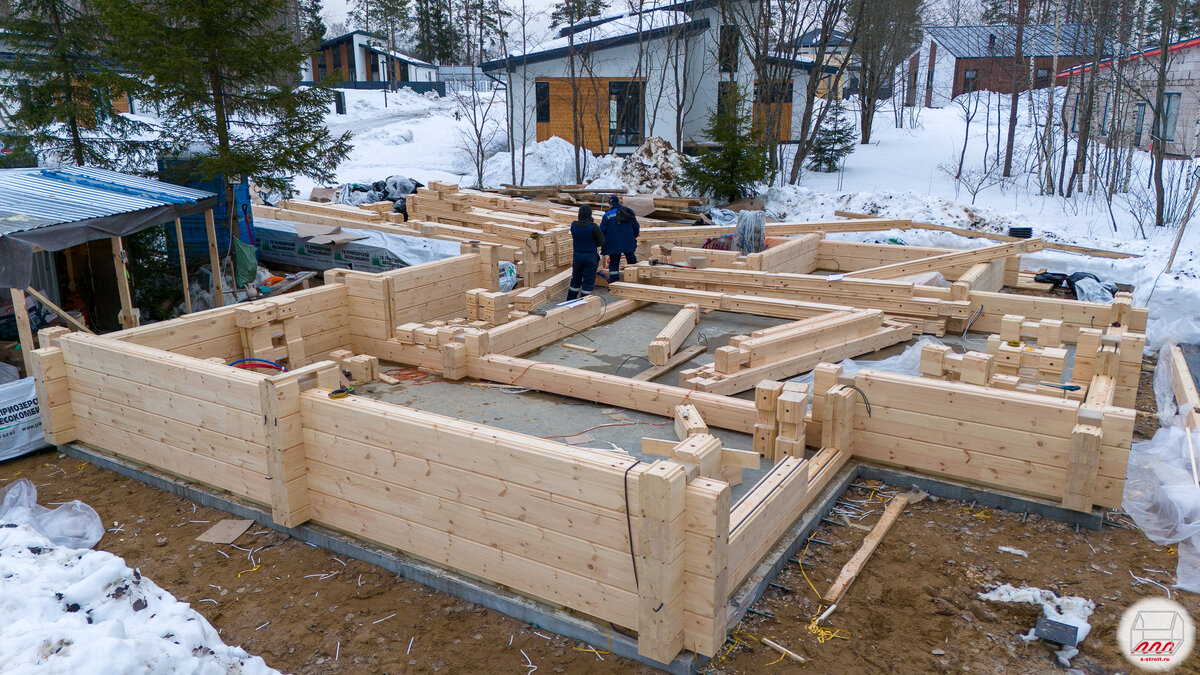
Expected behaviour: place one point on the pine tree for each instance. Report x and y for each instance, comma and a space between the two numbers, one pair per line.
998, 13
60, 88
570, 12
224, 74
834, 140
437, 41
734, 170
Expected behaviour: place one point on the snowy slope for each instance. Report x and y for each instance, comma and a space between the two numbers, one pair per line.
900, 175
78, 611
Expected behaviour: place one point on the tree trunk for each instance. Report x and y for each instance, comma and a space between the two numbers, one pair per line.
68, 92
1158, 148
1022, 15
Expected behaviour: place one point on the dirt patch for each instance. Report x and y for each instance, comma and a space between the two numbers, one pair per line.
915, 607
360, 620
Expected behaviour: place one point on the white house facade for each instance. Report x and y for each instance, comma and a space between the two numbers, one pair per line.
627, 76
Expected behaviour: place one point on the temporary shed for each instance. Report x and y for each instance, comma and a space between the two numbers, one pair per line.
55, 209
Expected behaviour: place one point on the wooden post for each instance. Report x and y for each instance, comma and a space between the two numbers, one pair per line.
187, 291
214, 260
706, 561
285, 450
660, 560
1082, 464
128, 317
21, 312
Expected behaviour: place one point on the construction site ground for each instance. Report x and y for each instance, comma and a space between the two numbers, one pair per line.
914, 608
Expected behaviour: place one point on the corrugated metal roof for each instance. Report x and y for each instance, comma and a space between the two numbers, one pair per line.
33, 198
979, 42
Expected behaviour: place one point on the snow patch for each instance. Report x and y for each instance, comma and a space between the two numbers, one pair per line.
74, 611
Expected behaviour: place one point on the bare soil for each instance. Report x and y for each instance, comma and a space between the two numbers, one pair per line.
914, 608
361, 620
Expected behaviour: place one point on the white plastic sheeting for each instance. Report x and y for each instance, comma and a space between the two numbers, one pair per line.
1072, 610
907, 362
1161, 491
73, 524
1162, 498
374, 252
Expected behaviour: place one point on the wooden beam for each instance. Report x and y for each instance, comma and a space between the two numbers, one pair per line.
24, 332
214, 260
183, 269
939, 262
660, 235
670, 338
676, 359
1096, 252
1185, 388
128, 317
852, 568
722, 412
744, 304
62, 314
58, 310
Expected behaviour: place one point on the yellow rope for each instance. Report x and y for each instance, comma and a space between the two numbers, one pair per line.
824, 635
810, 583
253, 569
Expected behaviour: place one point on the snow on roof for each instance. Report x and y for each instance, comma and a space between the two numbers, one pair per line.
611, 33
374, 44
981, 42
618, 27
1144, 54
398, 55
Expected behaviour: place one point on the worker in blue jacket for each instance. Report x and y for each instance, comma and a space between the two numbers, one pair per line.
586, 240
621, 231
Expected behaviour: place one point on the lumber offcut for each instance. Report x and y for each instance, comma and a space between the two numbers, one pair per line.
850, 571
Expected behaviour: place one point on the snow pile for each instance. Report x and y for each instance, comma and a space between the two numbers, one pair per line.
75, 611
793, 202
1071, 610
654, 168
551, 162
367, 104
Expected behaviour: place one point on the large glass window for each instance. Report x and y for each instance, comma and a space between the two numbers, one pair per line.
624, 113
1139, 122
1170, 116
541, 93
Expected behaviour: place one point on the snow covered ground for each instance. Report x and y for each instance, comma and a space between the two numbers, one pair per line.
902, 174
78, 611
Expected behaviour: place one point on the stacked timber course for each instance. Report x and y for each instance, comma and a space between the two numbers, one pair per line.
654, 547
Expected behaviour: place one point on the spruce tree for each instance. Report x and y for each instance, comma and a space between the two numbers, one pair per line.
60, 88
834, 140
733, 170
225, 74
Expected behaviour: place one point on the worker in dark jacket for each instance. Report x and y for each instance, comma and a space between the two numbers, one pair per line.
621, 231
586, 239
